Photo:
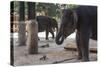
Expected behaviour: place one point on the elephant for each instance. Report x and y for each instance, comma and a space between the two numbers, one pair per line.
83, 19
48, 24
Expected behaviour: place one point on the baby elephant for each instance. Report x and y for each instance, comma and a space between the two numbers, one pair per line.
47, 24
84, 20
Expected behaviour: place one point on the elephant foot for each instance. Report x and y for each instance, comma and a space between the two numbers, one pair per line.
85, 60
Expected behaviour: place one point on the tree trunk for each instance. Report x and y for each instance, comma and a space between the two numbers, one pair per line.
31, 10
11, 32
32, 30
32, 37
22, 32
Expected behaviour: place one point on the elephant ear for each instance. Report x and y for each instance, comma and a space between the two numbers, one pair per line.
75, 17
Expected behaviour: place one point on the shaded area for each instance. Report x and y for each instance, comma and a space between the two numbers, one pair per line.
54, 53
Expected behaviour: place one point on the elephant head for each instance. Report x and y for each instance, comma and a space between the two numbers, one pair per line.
67, 25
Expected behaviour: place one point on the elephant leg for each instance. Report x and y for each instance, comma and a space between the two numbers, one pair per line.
78, 45
47, 33
51, 31
84, 40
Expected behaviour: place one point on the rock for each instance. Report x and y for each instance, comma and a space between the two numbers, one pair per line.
44, 58
43, 46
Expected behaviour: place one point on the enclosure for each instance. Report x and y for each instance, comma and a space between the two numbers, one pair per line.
27, 49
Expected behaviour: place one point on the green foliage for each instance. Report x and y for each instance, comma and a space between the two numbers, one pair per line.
71, 6
16, 6
50, 9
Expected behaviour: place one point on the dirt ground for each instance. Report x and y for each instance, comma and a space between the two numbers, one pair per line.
52, 52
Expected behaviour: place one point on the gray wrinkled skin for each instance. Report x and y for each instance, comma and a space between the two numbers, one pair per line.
67, 26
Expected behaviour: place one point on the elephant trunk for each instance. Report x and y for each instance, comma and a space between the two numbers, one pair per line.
59, 38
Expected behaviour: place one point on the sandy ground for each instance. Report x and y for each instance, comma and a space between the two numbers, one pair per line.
54, 53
